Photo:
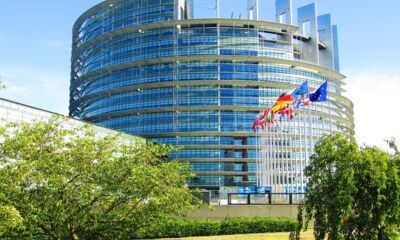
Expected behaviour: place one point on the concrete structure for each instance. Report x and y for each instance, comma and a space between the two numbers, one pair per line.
12, 112
147, 67
248, 211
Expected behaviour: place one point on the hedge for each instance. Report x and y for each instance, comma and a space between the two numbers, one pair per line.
257, 225
203, 227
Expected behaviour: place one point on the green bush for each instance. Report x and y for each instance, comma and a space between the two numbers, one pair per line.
203, 227
257, 225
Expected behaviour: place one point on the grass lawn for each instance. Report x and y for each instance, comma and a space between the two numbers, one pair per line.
257, 236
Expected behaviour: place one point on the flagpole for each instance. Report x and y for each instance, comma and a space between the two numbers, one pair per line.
330, 107
295, 150
280, 154
265, 158
273, 151
311, 118
302, 163
285, 141
296, 133
258, 153
269, 156
290, 146
276, 151
322, 112
283, 159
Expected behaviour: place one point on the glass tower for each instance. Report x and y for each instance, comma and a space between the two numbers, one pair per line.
146, 67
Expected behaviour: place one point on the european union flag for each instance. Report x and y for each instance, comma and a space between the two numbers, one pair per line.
321, 94
303, 89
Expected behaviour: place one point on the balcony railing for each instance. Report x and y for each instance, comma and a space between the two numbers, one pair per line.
265, 198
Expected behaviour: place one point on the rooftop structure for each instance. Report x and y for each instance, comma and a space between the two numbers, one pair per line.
12, 112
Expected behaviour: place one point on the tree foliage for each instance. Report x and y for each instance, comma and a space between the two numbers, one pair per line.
10, 219
353, 193
68, 183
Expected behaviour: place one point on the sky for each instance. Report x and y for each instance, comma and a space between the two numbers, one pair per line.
35, 52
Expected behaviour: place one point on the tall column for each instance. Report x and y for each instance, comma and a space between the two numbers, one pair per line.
252, 9
284, 11
308, 22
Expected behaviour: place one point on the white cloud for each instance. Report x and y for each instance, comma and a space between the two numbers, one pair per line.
42, 88
17, 88
375, 94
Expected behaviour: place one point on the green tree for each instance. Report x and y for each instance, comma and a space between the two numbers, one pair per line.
10, 219
376, 203
68, 183
353, 193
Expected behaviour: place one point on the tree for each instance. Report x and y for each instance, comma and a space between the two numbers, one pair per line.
68, 183
376, 203
10, 220
353, 193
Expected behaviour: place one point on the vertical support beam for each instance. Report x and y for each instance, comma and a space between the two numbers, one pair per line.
284, 11
269, 198
179, 9
325, 34
284, 14
189, 9
307, 20
217, 8
336, 48
252, 9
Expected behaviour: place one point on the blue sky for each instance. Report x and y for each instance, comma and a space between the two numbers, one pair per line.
35, 50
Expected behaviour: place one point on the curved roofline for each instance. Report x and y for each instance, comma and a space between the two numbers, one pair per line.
92, 10
266, 25
97, 7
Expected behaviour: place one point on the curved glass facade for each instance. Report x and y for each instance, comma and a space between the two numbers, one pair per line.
195, 83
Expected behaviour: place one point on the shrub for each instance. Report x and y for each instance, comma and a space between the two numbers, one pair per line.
203, 227
257, 225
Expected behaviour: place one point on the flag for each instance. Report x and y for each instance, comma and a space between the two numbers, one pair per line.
256, 121
320, 95
279, 106
271, 118
302, 101
283, 100
263, 117
288, 110
303, 89
266, 113
286, 97
260, 119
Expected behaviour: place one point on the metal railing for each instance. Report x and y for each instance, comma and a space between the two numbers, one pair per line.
265, 198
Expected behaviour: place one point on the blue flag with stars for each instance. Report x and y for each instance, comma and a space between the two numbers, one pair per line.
321, 94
